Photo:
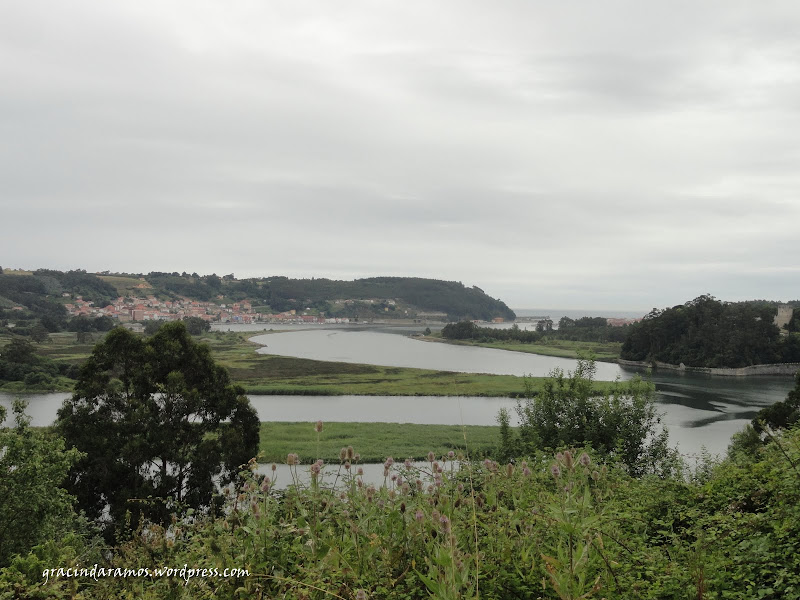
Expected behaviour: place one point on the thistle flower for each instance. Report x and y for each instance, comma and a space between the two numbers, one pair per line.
568, 462
460, 487
349, 453
265, 485
343, 454
407, 463
526, 471
445, 523
385, 471
595, 475
318, 427
431, 456
451, 455
274, 467
360, 471
347, 465
291, 459
584, 459
419, 515
509, 470
555, 471
388, 462
361, 595
356, 457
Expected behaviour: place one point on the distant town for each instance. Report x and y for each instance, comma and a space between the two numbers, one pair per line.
151, 308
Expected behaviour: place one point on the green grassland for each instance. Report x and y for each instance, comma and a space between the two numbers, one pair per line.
602, 351
373, 441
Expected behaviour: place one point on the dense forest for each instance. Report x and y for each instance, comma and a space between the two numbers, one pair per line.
706, 332
453, 298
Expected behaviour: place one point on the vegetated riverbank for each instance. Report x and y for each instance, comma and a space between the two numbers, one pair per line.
374, 441
601, 351
269, 374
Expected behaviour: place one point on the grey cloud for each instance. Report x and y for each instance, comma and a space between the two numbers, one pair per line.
587, 155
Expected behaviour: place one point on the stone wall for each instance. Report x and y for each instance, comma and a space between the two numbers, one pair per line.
787, 369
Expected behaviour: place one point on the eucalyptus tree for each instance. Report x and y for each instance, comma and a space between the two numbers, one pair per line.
160, 424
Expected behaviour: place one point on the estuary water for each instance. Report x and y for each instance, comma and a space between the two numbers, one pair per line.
699, 410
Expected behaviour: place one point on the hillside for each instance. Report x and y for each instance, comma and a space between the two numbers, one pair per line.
39, 296
393, 297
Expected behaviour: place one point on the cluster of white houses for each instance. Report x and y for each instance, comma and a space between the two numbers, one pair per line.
152, 309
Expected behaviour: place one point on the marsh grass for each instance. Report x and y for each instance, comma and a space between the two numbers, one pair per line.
602, 351
374, 441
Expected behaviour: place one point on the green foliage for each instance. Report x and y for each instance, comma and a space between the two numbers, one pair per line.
778, 416
585, 329
32, 294
19, 362
156, 419
450, 297
622, 423
196, 325
546, 528
33, 507
708, 333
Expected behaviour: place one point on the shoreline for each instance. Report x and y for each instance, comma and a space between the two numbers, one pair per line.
775, 369
535, 348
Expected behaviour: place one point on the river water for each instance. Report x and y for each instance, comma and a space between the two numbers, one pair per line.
700, 410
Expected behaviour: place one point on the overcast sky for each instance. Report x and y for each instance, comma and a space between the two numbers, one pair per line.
563, 154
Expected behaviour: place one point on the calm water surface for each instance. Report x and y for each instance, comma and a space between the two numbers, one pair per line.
377, 348
699, 410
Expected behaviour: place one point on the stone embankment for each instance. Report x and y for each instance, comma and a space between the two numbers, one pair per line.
753, 370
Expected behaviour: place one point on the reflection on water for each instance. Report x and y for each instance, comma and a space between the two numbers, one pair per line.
700, 410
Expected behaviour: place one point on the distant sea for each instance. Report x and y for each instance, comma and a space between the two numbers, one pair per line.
556, 313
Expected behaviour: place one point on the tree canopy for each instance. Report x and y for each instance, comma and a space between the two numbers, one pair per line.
706, 332
156, 418
33, 464
567, 412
